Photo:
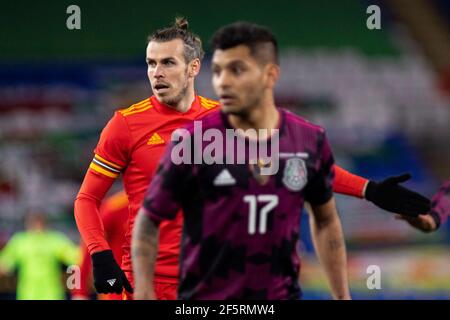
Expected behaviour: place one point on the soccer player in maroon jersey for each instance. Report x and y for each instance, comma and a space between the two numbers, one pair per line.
241, 227
438, 215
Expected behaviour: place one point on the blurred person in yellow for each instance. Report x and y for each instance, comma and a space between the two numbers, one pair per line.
38, 254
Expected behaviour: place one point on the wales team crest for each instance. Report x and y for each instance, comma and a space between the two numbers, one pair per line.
295, 174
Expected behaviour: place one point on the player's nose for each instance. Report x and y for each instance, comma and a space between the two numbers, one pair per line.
158, 72
223, 80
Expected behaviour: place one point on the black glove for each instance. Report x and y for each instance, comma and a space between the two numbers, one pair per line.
108, 277
390, 196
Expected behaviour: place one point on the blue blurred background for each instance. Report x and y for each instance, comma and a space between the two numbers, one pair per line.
383, 95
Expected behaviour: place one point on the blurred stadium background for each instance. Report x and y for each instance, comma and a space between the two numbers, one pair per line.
383, 95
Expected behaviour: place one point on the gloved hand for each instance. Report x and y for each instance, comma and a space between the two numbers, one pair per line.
391, 196
108, 277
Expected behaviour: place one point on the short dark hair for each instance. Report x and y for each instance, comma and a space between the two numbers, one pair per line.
260, 40
192, 42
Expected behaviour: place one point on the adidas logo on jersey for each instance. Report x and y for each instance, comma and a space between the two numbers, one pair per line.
111, 282
224, 179
155, 139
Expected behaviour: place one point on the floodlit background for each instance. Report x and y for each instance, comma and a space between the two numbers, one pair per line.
383, 95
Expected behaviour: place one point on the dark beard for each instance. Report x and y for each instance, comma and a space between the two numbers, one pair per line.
176, 100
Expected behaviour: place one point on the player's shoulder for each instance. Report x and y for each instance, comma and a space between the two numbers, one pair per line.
294, 121
19, 236
136, 109
208, 104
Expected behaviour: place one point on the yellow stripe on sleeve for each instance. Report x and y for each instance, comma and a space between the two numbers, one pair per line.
136, 106
99, 169
142, 109
207, 103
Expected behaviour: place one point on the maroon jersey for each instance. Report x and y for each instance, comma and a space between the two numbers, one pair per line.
440, 203
241, 228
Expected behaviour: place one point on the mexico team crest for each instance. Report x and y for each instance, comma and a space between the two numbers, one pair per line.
295, 174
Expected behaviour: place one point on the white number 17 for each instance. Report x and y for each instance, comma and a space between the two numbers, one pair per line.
271, 202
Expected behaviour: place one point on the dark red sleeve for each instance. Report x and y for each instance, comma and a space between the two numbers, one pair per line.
319, 189
440, 203
348, 183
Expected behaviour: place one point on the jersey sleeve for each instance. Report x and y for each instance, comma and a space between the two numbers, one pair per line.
164, 196
9, 254
87, 214
110, 159
440, 204
112, 152
348, 183
320, 187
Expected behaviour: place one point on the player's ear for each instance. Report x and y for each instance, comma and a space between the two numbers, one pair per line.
194, 67
273, 74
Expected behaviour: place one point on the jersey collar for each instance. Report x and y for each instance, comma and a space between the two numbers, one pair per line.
281, 122
165, 109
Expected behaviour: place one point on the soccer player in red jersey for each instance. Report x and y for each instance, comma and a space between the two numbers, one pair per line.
132, 143
114, 215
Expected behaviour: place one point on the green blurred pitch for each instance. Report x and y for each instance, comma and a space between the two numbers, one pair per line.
118, 29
